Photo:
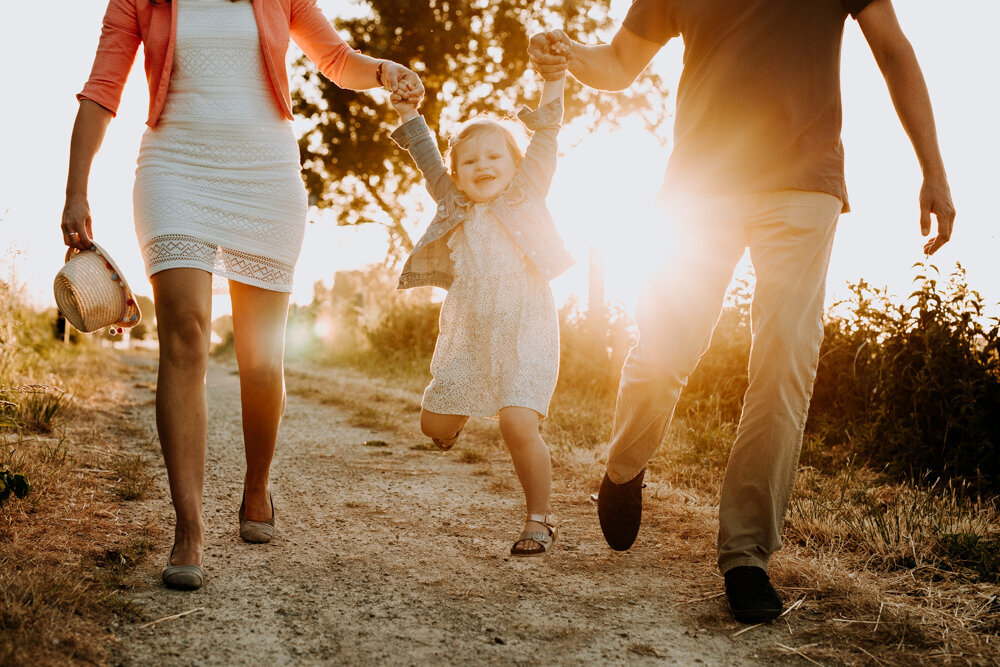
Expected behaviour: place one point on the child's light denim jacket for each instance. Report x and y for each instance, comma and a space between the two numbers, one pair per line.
520, 208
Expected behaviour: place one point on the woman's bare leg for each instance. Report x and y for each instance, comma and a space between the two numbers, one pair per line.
183, 299
259, 318
519, 428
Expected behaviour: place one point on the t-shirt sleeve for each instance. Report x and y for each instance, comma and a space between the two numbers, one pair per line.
854, 7
653, 20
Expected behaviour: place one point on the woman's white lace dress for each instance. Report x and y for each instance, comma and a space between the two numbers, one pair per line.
217, 185
499, 340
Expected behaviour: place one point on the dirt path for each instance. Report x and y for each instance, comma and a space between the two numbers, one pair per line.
395, 554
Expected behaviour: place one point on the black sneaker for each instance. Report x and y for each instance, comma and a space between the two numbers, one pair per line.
752, 598
619, 508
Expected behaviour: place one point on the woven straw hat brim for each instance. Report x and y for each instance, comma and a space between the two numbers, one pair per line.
92, 293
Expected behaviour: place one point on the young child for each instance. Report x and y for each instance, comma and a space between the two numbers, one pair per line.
493, 245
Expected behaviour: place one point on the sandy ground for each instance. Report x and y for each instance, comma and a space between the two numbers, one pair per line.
386, 553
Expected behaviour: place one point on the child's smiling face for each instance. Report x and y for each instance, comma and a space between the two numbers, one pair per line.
485, 166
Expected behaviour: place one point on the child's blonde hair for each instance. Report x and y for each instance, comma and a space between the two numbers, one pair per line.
477, 127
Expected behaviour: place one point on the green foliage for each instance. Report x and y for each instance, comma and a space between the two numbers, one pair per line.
39, 406
8, 410
978, 553
364, 321
472, 58
909, 387
13, 483
593, 346
914, 386
27, 345
407, 329
145, 326
718, 383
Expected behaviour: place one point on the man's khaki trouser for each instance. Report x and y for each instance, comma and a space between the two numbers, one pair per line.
790, 234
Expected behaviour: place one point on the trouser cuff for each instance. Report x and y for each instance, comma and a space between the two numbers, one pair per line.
741, 561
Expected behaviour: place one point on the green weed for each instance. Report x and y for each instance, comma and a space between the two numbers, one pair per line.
39, 406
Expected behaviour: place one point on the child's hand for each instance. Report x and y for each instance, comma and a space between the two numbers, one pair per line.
403, 83
406, 98
403, 107
550, 54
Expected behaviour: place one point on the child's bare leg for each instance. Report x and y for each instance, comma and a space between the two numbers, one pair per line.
519, 428
435, 425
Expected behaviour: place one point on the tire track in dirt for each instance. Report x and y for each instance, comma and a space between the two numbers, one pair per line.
389, 554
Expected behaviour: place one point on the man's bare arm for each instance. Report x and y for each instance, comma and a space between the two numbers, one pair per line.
908, 90
611, 66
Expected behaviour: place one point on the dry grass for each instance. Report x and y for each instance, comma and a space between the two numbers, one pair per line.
466, 455
133, 478
66, 549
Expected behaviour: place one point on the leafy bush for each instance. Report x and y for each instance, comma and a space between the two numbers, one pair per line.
593, 347
721, 379
406, 329
914, 386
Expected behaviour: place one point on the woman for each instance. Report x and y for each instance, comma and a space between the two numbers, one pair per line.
217, 191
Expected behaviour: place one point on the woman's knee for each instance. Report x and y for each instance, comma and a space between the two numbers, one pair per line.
261, 369
184, 340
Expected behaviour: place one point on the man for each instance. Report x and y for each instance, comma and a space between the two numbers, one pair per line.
757, 162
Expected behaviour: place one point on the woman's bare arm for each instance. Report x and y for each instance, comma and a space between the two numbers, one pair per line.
88, 134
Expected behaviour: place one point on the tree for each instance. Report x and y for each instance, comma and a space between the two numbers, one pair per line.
472, 58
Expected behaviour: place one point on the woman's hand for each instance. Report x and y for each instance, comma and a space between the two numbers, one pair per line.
77, 227
403, 83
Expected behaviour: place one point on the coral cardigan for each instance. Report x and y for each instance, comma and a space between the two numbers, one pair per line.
127, 23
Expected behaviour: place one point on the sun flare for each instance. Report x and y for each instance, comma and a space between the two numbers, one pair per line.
603, 201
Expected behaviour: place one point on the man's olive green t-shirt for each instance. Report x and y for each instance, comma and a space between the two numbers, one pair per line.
758, 103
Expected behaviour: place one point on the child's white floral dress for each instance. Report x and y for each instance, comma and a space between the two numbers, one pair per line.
499, 341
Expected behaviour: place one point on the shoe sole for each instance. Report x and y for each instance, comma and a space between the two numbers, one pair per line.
755, 615
256, 532
183, 577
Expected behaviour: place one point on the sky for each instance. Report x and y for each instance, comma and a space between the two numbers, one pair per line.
878, 241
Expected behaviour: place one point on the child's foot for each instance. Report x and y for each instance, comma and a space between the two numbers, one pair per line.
444, 444
539, 534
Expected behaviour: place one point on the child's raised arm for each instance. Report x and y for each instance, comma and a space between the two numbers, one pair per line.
552, 90
540, 157
415, 137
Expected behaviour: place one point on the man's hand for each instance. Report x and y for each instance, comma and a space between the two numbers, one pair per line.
935, 198
550, 54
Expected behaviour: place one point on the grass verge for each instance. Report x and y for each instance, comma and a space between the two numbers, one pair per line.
66, 548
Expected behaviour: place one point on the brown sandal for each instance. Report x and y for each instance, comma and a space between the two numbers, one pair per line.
444, 444
543, 541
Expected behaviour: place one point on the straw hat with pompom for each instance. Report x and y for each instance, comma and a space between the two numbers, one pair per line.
91, 292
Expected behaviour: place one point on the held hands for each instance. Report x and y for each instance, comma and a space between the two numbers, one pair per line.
935, 198
77, 227
550, 54
405, 89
